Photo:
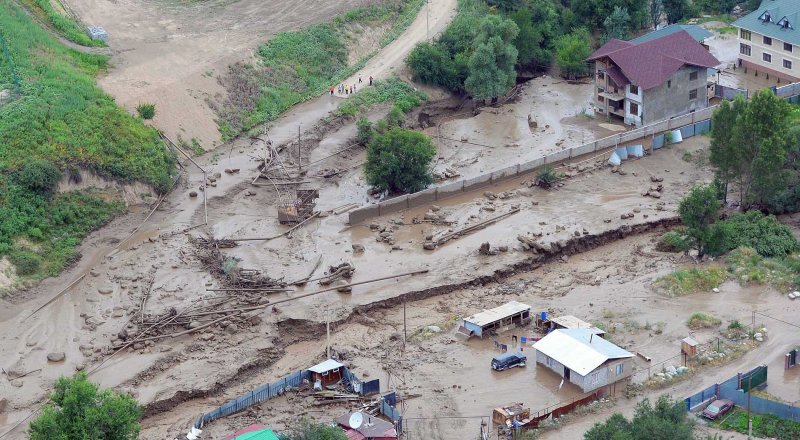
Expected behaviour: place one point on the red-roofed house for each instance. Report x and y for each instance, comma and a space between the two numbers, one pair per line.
652, 80
372, 428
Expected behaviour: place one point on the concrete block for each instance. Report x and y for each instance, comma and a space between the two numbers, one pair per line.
422, 198
359, 215
477, 182
394, 205
450, 189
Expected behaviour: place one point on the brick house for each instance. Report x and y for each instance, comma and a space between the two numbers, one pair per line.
769, 39
652, 80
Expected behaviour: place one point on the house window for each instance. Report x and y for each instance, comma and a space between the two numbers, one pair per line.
669, 84
767, 41
692, 94
634, 89
787, 47
634, 109
620, 369
745, 35
744, 49
601, 75
693, 76
600, 98
594, 378
766, 57
549, 361
787, 64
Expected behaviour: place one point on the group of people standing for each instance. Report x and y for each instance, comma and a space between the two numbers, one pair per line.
344, 89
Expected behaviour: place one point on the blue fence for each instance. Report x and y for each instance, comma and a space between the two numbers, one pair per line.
389, 410
732, 390
258, 395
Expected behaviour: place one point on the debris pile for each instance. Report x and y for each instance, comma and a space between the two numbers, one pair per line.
225, 268
655, 189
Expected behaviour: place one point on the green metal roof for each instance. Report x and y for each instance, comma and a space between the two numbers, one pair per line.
264, 434
697, 32
778, 12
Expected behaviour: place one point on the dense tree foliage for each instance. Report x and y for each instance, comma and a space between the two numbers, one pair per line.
754, 146
676, 10
699, 209
491, 66
78, 409
306, 429
656, 12
571, 53
594, 12
399, 161
617, 25
667, 420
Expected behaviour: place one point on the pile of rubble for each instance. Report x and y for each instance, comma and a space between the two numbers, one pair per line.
655, 189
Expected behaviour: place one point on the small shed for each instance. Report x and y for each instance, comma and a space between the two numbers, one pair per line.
689, 346
571, 322
327, 373
508, 413
508, 314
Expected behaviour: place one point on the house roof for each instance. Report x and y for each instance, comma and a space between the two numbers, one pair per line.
777, 12
697, 32
487, 317
372, 427
253, 432
651, 63
569, 321
328, 365
617, 76
580, 350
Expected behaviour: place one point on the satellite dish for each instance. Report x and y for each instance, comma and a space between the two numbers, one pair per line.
356, 420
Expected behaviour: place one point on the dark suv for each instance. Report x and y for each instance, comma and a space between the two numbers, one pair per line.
508, 360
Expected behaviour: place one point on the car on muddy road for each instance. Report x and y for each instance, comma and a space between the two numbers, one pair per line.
717, 408
508, 360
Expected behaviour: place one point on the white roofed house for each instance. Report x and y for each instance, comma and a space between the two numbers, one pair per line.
497, 319
583, 358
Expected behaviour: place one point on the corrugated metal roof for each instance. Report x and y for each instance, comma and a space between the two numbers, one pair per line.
580, 350
697, 32
570, 322
489, 316
778, 11
328, 365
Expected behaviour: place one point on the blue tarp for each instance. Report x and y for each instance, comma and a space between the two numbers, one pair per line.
614, 159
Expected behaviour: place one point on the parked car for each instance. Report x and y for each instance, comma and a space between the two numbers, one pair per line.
717, 408
508, 360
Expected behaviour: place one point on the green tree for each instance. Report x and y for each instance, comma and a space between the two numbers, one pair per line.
399, 161
667, 420
617, 25
593, 12
571, 53
491, 66
306, 429
506, 5
538, 29
431, 64
40, 176
656, 12
750, 145
676, 10
78, 409
699, 209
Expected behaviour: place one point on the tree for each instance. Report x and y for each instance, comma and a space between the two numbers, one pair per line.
676, 10
617, 25
656, 11
538, 28
306, 429
78, 409
491, 66
667, 420
593, 12
431, 64
750, 145
571, 53
399, 161
506, 5
40, 176
699, 209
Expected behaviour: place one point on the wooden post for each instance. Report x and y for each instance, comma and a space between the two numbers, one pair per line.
299, 154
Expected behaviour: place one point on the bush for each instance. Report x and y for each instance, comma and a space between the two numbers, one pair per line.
395, 90
399, 161
146, 110
396, 117
683, 282
78, 409
702, 320
306, 429
364, 131
431, 64
547, 177
40, 176
735, 325
763, 233
673, 241
25, 262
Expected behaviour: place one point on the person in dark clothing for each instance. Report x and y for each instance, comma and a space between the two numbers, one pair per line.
370, 80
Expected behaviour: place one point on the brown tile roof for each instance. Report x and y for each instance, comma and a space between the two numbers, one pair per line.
617, 76
651, 63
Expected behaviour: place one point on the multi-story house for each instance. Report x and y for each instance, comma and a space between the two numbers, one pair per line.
652, 80
769, 39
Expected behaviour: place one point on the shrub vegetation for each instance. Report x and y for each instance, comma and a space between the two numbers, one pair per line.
399, 161
71, 30
702, 320
146, 110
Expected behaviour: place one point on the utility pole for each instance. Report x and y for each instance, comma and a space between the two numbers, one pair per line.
299, 155
405, 332
328, 340
427, 19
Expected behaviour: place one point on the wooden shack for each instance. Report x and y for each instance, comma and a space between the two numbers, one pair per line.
689, 346
508, 413
327, 373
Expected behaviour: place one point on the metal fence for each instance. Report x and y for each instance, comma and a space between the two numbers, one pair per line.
734, 389
258, 395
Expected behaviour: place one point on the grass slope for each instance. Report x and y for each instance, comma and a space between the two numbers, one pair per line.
55, 113
295, 66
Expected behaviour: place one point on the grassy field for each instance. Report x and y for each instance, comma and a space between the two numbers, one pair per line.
393, 90
295, 66
67, 27
54, 120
